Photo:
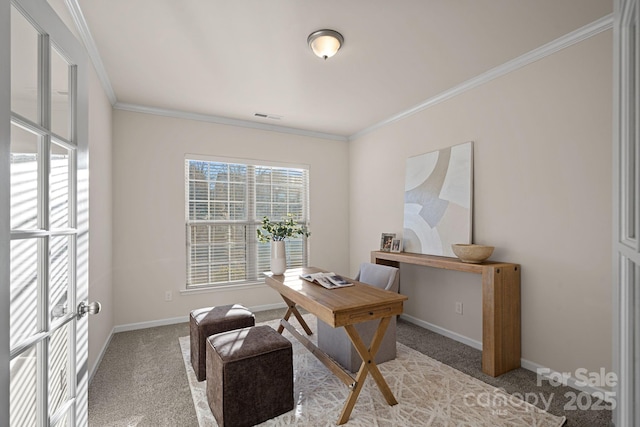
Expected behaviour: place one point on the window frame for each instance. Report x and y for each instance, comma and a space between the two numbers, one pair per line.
253, 276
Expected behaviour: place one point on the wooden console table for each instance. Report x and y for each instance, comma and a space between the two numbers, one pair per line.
500, 304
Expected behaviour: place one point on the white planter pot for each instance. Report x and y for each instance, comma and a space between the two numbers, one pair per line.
278, 257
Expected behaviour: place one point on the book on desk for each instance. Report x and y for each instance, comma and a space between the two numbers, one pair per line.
327, 280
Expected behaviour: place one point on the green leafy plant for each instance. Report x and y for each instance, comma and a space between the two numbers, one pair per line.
280, 230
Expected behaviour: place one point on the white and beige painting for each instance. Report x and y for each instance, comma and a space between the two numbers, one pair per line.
438, 199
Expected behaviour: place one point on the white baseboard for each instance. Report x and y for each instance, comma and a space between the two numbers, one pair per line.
150, 324
265, 307
438, 330
162, 322
524, 363
570, 380
103, 350
183, 319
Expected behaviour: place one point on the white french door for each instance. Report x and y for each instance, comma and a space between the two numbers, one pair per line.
626, 241
48, 220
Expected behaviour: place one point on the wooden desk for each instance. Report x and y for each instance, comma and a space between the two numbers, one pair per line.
340, 308
500, 304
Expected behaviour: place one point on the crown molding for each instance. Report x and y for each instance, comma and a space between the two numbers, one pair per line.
583, 33
92, 49
225, 121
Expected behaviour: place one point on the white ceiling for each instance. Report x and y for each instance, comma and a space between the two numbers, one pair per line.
232, 59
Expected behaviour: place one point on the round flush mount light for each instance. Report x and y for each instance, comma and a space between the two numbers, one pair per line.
325, 43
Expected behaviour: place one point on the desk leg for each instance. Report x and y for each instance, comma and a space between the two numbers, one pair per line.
368, 365
293, 310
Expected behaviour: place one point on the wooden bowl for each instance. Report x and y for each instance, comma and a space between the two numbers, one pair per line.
471, 253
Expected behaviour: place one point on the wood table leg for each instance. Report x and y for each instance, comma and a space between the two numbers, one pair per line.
368, 365
293, 310
353, 394
368, 356
500, 319
323, 357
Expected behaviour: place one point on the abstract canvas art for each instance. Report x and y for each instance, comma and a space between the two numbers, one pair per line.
438, 199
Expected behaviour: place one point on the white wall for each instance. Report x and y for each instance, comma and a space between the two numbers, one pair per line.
100, 217
542, 164
149, 224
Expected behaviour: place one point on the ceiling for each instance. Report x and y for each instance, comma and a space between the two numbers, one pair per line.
232, 59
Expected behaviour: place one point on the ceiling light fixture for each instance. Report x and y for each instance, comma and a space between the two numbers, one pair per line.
325, 43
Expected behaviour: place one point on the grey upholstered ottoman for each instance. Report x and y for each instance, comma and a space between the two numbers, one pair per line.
205, 322
249, 376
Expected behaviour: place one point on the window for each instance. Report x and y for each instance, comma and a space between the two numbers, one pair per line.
225, 204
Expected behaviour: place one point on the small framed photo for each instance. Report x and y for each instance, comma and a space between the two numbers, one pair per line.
385, 241
396, 245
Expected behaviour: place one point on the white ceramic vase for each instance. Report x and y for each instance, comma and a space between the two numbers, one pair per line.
278, 257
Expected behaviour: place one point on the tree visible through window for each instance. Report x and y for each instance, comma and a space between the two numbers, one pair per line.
225, 204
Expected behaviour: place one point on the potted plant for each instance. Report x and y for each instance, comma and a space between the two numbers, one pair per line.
276, 232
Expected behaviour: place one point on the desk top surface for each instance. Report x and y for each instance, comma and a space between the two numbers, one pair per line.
336, 307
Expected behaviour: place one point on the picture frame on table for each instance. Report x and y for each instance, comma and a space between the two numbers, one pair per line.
386, 240
396, 245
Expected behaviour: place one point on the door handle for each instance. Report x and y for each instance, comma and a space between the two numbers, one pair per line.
91, 308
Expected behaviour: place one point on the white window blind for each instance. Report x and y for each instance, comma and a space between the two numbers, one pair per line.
225, 204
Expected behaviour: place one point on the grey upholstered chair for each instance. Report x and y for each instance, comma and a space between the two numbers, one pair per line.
336, 343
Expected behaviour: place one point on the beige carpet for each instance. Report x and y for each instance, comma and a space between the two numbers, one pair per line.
429, 393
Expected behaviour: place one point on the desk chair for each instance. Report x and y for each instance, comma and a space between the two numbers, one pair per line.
335, 341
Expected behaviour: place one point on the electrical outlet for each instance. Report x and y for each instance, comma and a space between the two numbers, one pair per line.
458, 307
168, 296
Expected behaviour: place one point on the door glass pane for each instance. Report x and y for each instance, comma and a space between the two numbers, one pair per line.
59, 186
23, 290
59, 258
24, 179
43, 269
65, 421
60, 104
59, 368
24, 67
23, 389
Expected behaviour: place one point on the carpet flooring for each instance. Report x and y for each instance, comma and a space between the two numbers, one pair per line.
141, 380
429, 394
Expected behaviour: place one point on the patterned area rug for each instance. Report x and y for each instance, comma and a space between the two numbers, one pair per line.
429, 393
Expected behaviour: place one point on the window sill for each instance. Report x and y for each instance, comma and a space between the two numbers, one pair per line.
220, 288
